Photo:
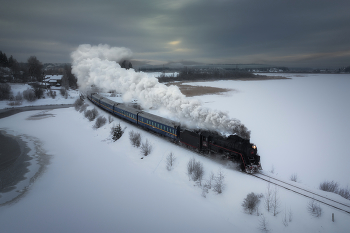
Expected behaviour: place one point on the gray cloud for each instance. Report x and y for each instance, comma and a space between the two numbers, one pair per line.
290, 33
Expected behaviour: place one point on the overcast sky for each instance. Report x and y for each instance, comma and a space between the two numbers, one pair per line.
293, 33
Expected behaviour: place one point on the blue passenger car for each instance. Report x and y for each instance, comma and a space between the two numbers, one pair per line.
128, 113
159, 125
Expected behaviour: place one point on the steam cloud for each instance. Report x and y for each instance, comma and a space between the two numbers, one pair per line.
98, 65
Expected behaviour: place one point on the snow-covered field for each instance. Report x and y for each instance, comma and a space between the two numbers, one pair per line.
59, 99
95, 185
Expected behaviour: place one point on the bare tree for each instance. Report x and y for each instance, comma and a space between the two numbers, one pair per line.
29, 95
78, 103
91, 114
100, 121
190, 167
294, 177
170, 160
268, 198
195, 170
263, 224
284, 219
290, 215
146, 148
198, 172
275, 202
135, 138
219, 184
314, 208
251, 202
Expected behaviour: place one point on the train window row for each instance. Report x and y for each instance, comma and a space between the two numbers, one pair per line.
126, 114
159, 126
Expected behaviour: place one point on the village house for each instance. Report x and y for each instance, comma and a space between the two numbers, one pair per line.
52, 81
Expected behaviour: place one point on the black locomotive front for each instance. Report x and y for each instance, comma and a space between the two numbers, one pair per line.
233, 147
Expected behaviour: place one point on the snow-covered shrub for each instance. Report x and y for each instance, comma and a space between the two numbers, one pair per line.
83, 107
146, 148
19, 97
116, 132
294, 177
263, 224
208, 184
251, 202
344, 192
14, 103
332, 186
78, 103
29, 95
135, 138
91, 114
5, 91
198, 172
329, 186
190, 167
314, 208
195, 170
100, 121
170, 160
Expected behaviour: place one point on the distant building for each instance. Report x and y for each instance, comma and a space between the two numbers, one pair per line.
52, 81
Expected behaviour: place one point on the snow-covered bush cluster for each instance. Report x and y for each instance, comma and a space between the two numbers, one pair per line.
100, 121
332, 186
135, 138
146, 148
251, 202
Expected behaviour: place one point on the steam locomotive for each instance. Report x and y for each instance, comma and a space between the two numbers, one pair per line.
232, 147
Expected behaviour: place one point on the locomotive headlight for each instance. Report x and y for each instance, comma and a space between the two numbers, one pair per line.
254, 146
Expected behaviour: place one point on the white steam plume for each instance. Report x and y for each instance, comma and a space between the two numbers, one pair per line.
97, 65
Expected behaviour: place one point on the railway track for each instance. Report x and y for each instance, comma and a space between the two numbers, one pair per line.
304, 192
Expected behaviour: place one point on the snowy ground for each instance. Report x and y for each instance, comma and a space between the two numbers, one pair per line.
95, 185
59, 99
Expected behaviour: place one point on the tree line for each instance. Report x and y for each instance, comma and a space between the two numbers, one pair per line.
188, 74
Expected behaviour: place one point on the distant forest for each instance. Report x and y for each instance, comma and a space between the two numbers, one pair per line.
206, 74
